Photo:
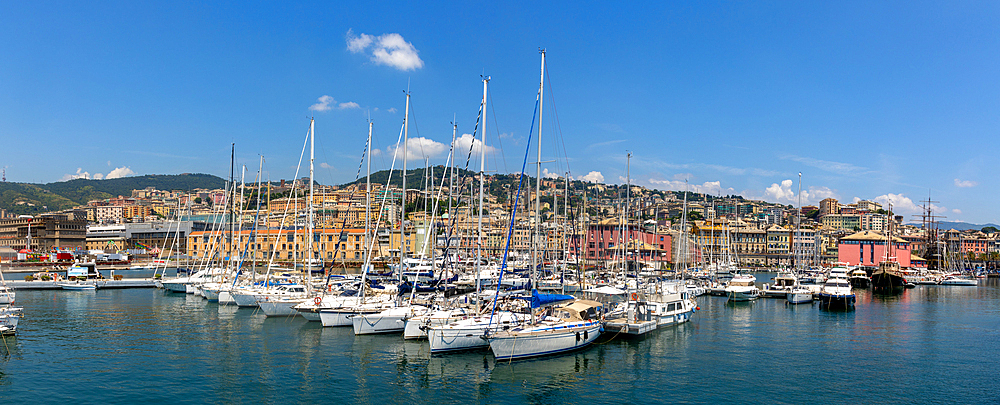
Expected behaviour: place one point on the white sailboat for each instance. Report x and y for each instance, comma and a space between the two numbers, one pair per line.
560, 328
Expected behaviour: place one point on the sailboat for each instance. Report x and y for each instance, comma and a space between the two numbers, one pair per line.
796, 293
888, 277
555, 328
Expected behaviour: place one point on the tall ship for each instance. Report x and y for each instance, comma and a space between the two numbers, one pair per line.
888, 277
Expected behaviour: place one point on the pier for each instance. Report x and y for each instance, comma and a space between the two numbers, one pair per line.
100, 284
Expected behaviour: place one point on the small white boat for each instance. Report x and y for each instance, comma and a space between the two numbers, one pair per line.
77, 286
959, 280
8, 320
837, 294
799, 295
6, 295
742, 288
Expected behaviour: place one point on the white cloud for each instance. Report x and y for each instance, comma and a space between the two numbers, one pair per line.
708, 187
327, 103
386, 49
80, 174
119, 173
593, 177
419, 148
466, 141
965, 183
786, 193
358, 43
98, 176
957, 211
325, 165
323, 104
903, 205
392, 110
546, 174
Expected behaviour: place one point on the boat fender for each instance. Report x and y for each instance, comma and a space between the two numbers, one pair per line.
577, 336
318, 300
584, 335
697, 308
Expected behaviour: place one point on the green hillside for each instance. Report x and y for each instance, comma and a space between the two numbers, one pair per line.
26, 198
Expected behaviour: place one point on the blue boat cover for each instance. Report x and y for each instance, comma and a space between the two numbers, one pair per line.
540, 300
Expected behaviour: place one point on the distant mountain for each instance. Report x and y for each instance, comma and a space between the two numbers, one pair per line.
961, 226
27, 198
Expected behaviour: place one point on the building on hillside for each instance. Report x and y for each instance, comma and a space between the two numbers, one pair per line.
609, 240
62, 230
288, 245
829, 206
162, 239
870, 206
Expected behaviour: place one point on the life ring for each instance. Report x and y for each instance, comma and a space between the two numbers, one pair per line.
635, 297
318, 300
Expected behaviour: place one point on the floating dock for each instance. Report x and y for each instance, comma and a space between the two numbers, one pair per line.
100, 284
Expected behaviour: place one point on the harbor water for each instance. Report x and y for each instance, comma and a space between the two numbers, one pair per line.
932, 344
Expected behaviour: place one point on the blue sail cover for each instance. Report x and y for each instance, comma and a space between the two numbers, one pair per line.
540, 300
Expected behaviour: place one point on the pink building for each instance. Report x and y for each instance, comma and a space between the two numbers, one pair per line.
603, 241
867, 248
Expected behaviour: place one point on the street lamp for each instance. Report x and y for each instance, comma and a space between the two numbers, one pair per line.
29, 218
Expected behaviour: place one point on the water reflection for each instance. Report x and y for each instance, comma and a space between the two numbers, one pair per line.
118, 345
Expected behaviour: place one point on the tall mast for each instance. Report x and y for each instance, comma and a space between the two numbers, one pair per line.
402, 221
451, 180
482, 187
309, 217
684, 239
798, 224
231, 190
368, 192
538, 178
565, 237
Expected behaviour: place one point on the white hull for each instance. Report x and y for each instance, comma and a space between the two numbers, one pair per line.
175, 287
742, 296
417, 327
444, 340
279, 307
189, 288
960, 282
78, 287
8, 324
543, 340
799, 297
226, 298
211, 294
469, 334
246, 299
310, 316
333, 317
7, 297
377, 323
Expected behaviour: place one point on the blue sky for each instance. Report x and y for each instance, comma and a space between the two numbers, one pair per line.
870, 100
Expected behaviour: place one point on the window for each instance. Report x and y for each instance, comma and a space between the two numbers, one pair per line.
290, 238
